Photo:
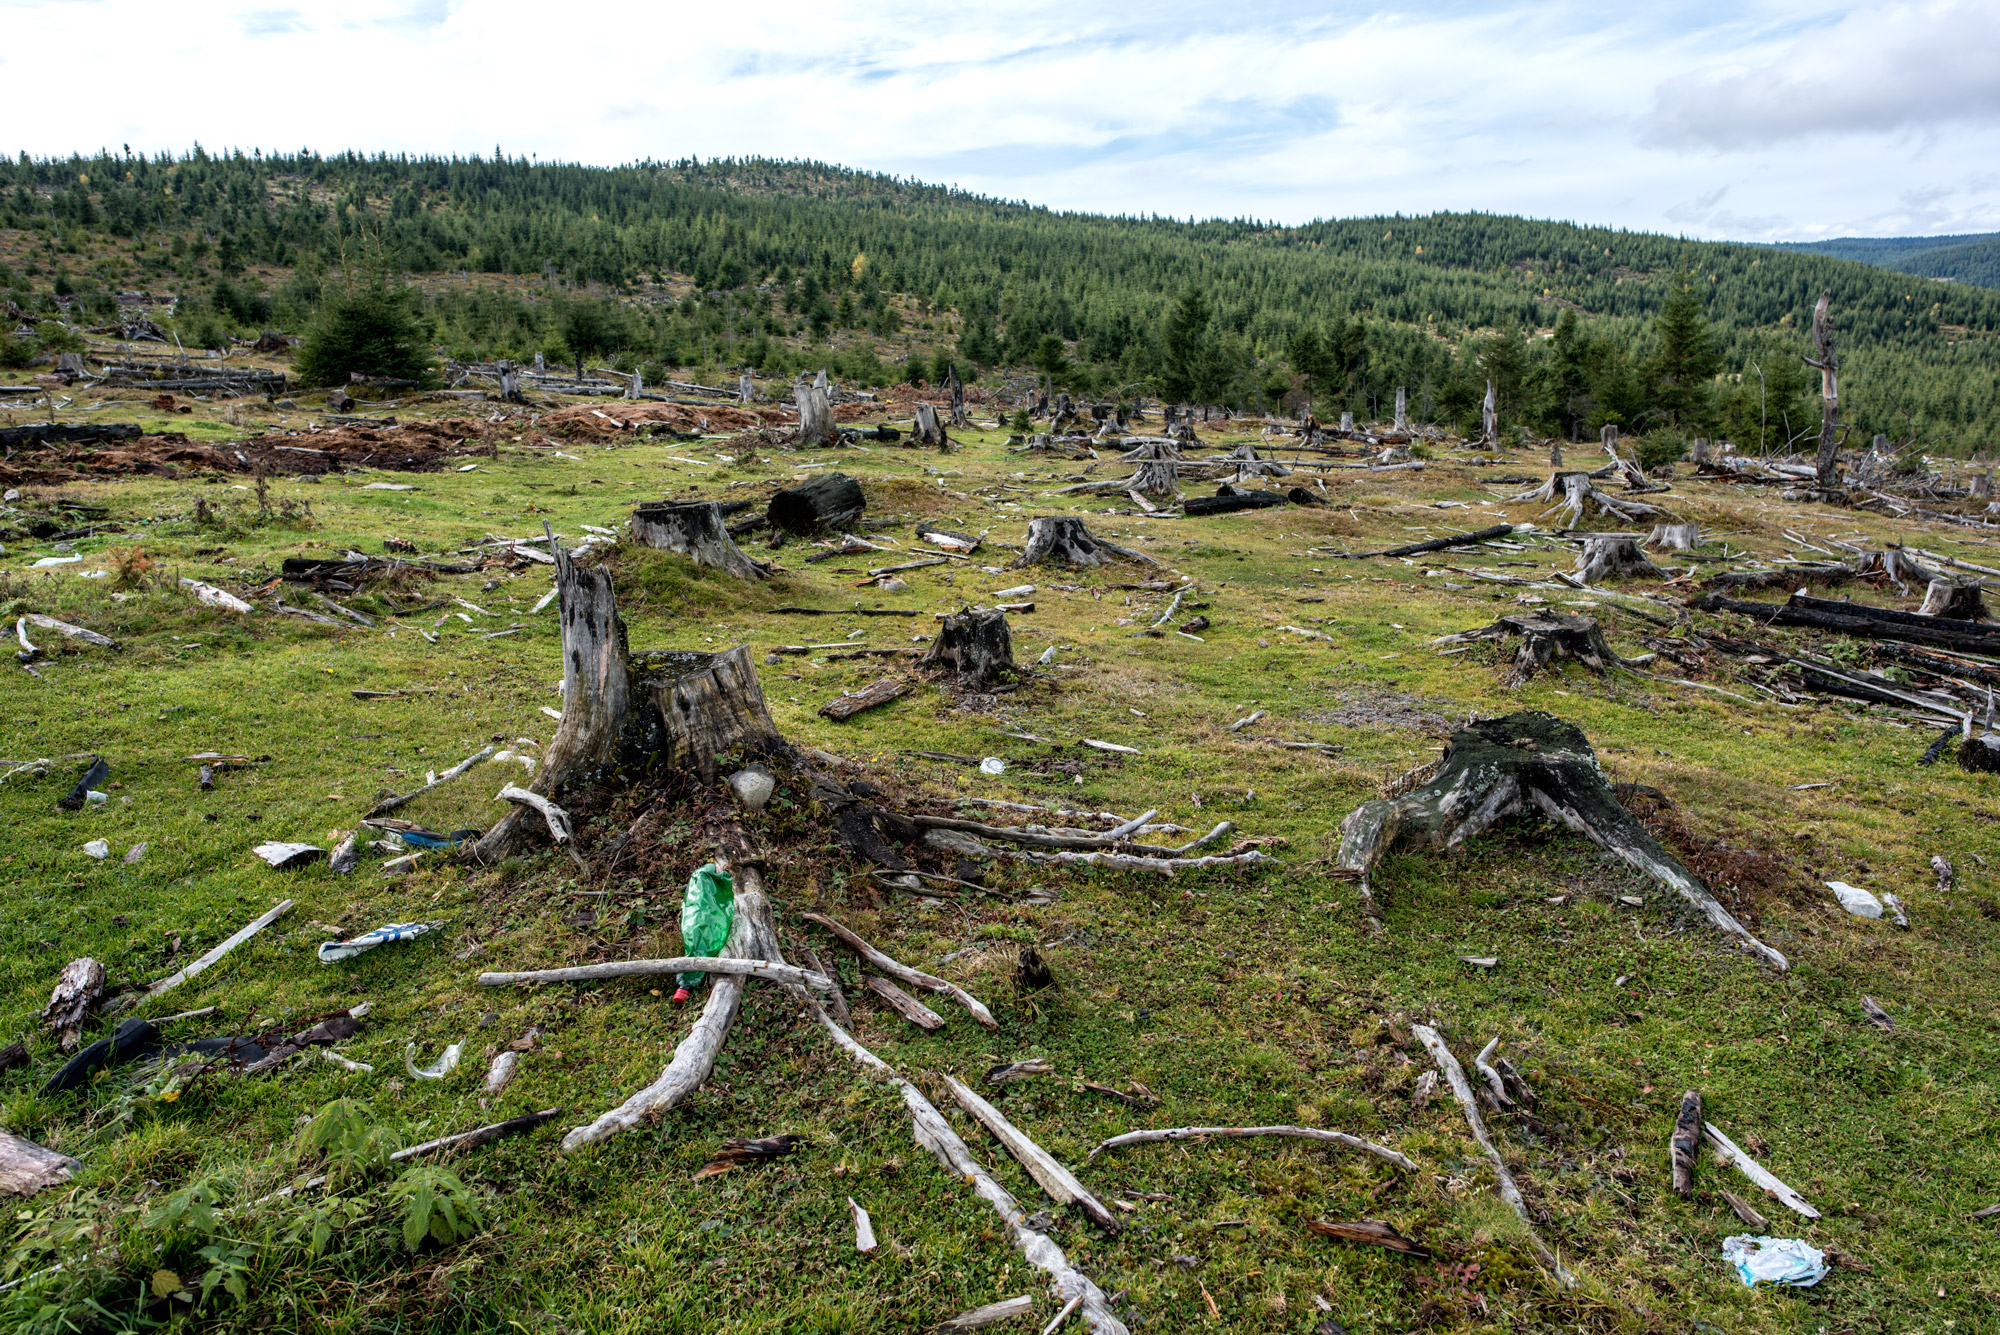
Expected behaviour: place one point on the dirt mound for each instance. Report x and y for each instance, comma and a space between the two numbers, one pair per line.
418, 447
603, 419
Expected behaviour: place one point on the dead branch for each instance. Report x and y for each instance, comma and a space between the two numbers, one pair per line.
1061, 1184
903, 973
1301, 1132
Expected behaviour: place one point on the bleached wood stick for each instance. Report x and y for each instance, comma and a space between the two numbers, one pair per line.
1135, 862
1302, 1132
990, 1314
389, 804
835, 997
1483, 1064
552, 815
935, 1134
1048, 1172
582, 973
1756, 1172
72, 632
1068, 1307
864, 1228
1246, 721
905, 1005
242, 934
1454, 1075
902, 973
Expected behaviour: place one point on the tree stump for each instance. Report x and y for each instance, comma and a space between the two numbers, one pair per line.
695, 530
830, 500
1245, 464
1612, 558
1980, 755
1545, 637
975, 646
815, 414
1576, 495
1402, 423
1155, 468
77, 992
1489, 417
1960, 600
1521, 764
1063, 540
927, 429
1675, 537
701, 705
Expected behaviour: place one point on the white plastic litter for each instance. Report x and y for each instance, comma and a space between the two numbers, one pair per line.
332, 951
437, 1070
993, 765
98, 848
96, 798
1048, 656
1856, 900
57, 561
1774, 1260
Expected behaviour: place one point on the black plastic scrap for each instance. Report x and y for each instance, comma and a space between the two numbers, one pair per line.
81, 793
140, 1040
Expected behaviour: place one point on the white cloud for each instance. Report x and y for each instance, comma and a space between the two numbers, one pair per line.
1878, 70
1284, 111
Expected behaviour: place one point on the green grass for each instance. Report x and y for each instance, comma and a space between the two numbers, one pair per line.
1237, 998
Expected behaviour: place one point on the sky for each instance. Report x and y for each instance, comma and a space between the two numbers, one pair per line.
1757, 120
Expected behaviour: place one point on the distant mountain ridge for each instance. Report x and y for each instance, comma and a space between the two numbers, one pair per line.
1972, 257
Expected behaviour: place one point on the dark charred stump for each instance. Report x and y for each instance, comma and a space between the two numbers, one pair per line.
1063, 540
1545, 637
1230, 500
1522, 764
695, 530
831, 500
975, 647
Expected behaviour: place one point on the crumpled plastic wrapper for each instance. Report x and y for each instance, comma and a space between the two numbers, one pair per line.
1774, 1260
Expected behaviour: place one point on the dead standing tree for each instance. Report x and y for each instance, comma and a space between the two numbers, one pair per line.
1829, 390
815, 415
1502, 767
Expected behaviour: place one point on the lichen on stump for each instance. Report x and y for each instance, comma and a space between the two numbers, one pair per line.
1545, 637
975, 646
1063, 540
1523, 763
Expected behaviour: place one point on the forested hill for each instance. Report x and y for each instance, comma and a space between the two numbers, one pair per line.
787, 264
1970, 258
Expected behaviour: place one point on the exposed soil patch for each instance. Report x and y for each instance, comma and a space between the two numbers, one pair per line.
1387, 709
605, 419
419, 447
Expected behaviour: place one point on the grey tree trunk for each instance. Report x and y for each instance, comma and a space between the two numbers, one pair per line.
1829, 390
1402, 409
815, 414
1490, 417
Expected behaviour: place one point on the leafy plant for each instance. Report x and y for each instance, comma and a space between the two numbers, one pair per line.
436, 1205
349, 1143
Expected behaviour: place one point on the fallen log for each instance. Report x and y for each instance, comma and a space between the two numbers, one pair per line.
1199, 507
1048, 1172
235, 939
1849, 618
1508, 766
901, 1002
872, 696
1300, 1132
829, 500
1454, 1076
1437, 544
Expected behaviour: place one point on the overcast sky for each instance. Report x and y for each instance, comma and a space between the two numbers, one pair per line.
1755, 120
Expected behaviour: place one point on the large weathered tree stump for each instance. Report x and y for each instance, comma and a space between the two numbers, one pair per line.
815, 415
1959, 600
927, 429
1523, 763
1613, 558
680, 709
1575, 495
1676, 537
695, 530
1063, 540
1155, 468
1545, 637
830, 500
976, 647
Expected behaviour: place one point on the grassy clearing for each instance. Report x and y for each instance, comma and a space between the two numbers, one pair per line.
1238, 999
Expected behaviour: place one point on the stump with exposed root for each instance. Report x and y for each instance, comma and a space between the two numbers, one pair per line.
976, 647
1545, 637
1063, 540
1614, 558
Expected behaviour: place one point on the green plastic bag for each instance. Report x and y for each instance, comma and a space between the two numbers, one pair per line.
707, 912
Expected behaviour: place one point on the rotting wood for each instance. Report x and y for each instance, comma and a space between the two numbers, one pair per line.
1756, 1172
78, 990
1956, 600
1299, 1132
1370, 1233
1472, 539
552, 815
816, 426
835, 997
1008, 1072
767, 970
1745, 1211
1574, 494
1685, 1141
1048, 1172
694, 529
905, 974
975, 646
389, 804
903, 1003
1508, 766
875, 694
69, 631
1454, 1076
1851, 618
26, 1168
934, 1133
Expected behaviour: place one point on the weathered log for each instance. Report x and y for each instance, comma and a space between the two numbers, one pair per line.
1685, 1142
1852, 618
849, 703
1956, 600
1300, 1132
1454, 1076
1231, 501
1063, 540
1614, 557
828, 500
695, 530
1441, 544
1508, 766
26, 1168
1049, 1172
1545, 637
815, 415
78, 990
1370, 1233
974, 646
1789, 577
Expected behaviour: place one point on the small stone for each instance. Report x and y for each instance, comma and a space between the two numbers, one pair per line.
753, 786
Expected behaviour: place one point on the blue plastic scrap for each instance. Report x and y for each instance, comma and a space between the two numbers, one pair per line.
1774, 1260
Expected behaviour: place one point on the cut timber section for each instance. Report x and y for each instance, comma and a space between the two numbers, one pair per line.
26, 1168
1049, 1174
871, 696
1509, 766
